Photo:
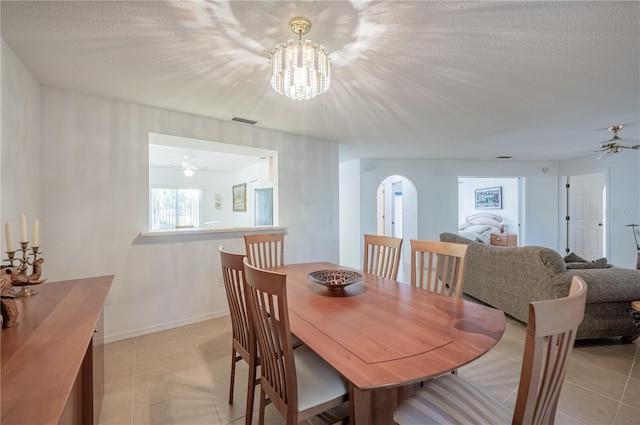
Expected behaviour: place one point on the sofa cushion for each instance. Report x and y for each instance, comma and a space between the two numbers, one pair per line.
572, 257
600, 263
614, 284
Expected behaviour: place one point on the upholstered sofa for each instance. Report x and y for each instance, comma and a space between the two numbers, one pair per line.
508, 278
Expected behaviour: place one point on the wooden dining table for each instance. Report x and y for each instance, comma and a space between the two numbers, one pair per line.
385, 337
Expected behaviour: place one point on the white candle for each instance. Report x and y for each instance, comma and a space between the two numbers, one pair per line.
36, 229
7, 235
23, 229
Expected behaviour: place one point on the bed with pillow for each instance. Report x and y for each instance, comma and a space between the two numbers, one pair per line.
479, 227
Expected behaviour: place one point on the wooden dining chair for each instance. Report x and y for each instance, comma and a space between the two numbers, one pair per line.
243, 339
551, 332
438, 266
265, 250
382, 255
299, 383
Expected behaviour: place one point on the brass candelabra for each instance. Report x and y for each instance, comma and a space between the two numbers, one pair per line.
22, 263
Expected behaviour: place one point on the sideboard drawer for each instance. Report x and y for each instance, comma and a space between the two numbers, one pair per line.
504, 239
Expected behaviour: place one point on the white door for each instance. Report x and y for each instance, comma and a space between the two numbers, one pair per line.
396, 217
585, 211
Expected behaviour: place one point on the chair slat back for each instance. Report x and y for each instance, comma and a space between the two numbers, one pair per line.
438, 266
551, 333
382, 255
265, 250
267, 300
233, 277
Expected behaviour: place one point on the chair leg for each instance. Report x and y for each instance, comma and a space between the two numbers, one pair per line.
232, 378
251, 391
263, 396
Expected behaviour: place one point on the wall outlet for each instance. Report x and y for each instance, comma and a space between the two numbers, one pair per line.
220, 282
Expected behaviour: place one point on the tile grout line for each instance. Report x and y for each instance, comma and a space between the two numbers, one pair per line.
200, 355
626, 384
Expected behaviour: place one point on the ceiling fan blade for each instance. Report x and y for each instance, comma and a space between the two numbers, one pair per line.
618, 148
604, 154
615, 141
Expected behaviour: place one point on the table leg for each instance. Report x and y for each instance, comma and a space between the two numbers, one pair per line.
360, 406
376, 407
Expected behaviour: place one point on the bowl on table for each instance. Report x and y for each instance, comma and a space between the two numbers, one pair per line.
335, 280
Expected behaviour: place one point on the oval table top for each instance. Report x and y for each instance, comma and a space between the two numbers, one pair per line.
379, 333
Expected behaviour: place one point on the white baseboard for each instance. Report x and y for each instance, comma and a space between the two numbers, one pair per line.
163, 327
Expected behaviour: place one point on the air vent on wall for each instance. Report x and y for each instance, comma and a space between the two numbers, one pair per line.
243, 120
503, 157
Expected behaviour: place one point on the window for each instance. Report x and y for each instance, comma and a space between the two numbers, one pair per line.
174, 208
215, 169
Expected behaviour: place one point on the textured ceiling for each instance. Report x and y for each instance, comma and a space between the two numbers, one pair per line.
421, 79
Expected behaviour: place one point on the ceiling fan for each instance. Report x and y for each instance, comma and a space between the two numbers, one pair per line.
188, 167
611, 146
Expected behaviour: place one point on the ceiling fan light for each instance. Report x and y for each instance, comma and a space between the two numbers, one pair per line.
188, 171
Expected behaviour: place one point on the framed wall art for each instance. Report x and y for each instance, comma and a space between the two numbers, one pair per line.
240, 197
489, 198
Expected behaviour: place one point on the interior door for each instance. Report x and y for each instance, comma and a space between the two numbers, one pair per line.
585, 212
396, 220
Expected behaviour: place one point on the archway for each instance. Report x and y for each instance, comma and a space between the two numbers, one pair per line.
397, 214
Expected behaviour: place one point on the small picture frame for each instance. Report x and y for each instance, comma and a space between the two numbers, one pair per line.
240, 197
489, 198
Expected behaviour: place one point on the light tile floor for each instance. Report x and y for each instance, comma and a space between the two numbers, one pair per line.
181, 376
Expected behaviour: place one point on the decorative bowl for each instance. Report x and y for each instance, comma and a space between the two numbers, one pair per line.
335, 280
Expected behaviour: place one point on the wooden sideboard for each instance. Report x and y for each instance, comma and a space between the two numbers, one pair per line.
53, 362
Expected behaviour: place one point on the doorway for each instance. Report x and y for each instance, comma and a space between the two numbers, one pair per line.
585, 221
508, 209
397, 212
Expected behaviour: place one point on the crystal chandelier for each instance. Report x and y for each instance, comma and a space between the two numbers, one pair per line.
300, 69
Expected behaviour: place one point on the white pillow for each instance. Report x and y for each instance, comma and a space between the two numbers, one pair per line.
463, 226
478, 228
